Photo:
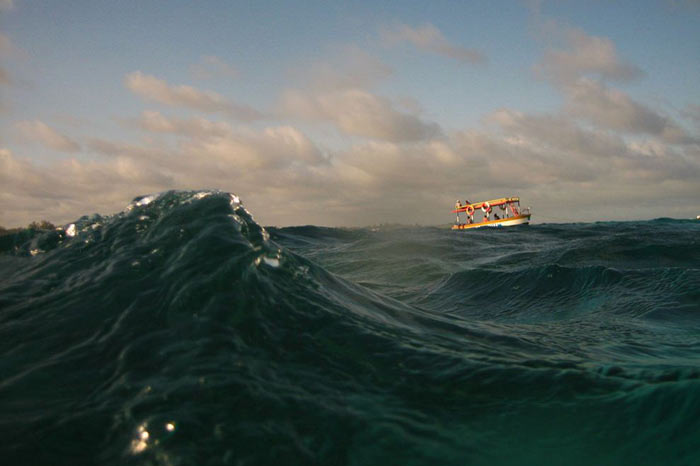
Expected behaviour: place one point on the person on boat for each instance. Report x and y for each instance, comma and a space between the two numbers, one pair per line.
495, 216
458, 204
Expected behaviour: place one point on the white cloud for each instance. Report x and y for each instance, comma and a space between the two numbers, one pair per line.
66, 189
275, 146
586, 55
429, 38
580, 71
359, 112
157, 90
6, 47
602, 144
38, 131
613, 109
284, 178
348, 67
198, 127
4, 77
591, 153
692, 113
211, 66
558, 133
336, 91
248, 150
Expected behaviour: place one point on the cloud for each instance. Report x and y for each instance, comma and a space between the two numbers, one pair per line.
586, 55
269, 164
337, 91
272, 148
38, 131
522, 157
614, 109
360, 113
692, 112
6, 47
275, 146
397, 167
430, 39
157, 90
211, 66
548, 132
217, 147
197, 127
284, 178
4, 77
580, 71
145, 153
60, 190
598, 157
348, 67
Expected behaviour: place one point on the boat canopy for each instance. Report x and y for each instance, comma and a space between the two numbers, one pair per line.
491, 203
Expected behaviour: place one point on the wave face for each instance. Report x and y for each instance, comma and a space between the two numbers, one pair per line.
181, 332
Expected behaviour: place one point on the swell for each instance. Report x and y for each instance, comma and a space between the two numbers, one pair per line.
126, 320
181, 318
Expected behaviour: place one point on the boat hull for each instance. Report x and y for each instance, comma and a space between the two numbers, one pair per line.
503, 222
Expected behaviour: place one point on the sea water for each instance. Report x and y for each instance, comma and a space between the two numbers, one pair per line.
181, 332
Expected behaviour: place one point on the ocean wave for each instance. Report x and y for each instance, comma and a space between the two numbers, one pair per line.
180, 331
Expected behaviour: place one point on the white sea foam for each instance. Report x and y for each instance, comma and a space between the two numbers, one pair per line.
70, 230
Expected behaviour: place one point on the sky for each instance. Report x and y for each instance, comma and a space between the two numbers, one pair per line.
351, 113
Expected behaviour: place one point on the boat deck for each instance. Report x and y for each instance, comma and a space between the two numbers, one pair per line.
522, 219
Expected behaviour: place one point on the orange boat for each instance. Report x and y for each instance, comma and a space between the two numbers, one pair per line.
509, 208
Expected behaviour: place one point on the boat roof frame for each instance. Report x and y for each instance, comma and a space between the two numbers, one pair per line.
492, 203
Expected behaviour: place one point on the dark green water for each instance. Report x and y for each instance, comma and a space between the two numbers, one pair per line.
179, 332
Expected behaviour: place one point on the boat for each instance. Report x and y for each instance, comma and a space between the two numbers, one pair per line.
509, 208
